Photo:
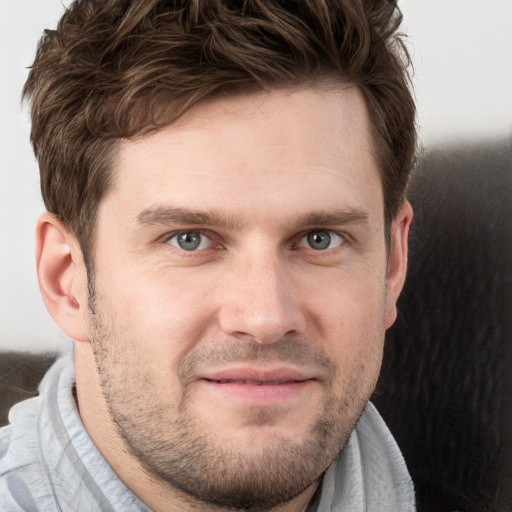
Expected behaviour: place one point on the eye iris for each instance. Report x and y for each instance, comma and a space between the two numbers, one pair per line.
189, 241
319, 240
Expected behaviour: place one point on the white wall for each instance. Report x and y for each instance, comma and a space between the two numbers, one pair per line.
462, 51
24, 322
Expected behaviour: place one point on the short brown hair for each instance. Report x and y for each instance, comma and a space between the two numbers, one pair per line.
114, 69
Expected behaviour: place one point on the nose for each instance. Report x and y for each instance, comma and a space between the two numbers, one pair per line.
259, 300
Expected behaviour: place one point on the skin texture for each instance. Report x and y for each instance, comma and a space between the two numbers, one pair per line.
231, 375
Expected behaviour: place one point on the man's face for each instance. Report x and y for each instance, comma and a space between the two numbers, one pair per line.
240, 293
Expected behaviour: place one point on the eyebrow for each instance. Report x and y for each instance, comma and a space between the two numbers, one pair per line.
334, 217
163, 215
168, 215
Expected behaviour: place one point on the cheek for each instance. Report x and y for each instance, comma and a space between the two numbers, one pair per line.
349, 300
349, 314
165, 310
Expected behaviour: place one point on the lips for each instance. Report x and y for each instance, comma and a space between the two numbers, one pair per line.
255, 383
257, 377
254, 386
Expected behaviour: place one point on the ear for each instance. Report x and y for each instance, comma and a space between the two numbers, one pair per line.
62, 276
397, 263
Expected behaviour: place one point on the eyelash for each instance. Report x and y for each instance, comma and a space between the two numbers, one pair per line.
332, 238
168, 237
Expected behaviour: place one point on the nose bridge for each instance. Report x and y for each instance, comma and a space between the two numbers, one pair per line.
260, 299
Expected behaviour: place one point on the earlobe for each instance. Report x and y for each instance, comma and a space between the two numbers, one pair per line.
397, 264
62, 276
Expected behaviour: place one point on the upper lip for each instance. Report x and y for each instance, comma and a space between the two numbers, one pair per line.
252, 375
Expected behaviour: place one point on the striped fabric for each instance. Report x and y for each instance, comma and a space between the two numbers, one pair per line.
47, 460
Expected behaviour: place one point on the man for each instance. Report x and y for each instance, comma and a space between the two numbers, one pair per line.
225, 241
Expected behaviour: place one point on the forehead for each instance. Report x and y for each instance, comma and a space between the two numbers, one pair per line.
266, 152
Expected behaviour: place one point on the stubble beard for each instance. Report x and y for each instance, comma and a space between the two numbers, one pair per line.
181, 452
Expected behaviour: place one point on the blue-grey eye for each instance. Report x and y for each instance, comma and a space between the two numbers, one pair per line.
321, 240
190, 241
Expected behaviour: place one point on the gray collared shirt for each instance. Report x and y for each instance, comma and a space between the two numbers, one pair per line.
49, 463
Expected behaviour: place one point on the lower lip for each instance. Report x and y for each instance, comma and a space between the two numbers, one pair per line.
266, 394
